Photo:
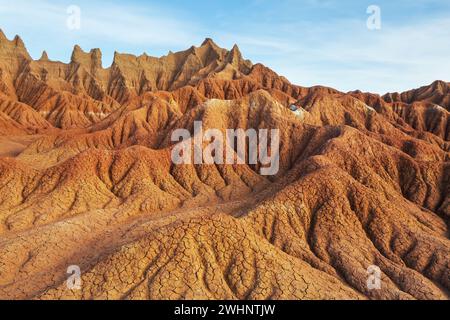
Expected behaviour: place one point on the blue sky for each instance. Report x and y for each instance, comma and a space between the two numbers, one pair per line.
310, 42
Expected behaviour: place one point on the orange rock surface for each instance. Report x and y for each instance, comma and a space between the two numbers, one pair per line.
86, 179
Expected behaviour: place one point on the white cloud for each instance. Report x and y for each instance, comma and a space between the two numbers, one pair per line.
103, 24
128, 24
346, 55
340, 53
131, 26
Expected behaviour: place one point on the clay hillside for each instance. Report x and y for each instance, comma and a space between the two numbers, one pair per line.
86, 179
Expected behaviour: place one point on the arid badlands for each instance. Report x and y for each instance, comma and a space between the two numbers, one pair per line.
86, 179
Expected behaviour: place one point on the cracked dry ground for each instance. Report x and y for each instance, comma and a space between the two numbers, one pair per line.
86, 179
142, 228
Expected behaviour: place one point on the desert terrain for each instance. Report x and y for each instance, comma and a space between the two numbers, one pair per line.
86, 179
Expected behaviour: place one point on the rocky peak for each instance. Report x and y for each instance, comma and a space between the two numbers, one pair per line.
439, 85
13, 48
92, 59
123, 58
234, 56
209, 42
18, 42
44, 56
77, 54
192, 50
3, 37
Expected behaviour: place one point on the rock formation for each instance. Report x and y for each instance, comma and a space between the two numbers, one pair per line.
86, 179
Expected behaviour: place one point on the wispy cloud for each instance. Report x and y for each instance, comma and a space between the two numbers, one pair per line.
310, 42
344, 54
103, 24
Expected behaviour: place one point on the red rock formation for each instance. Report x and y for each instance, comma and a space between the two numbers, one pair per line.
86, 178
